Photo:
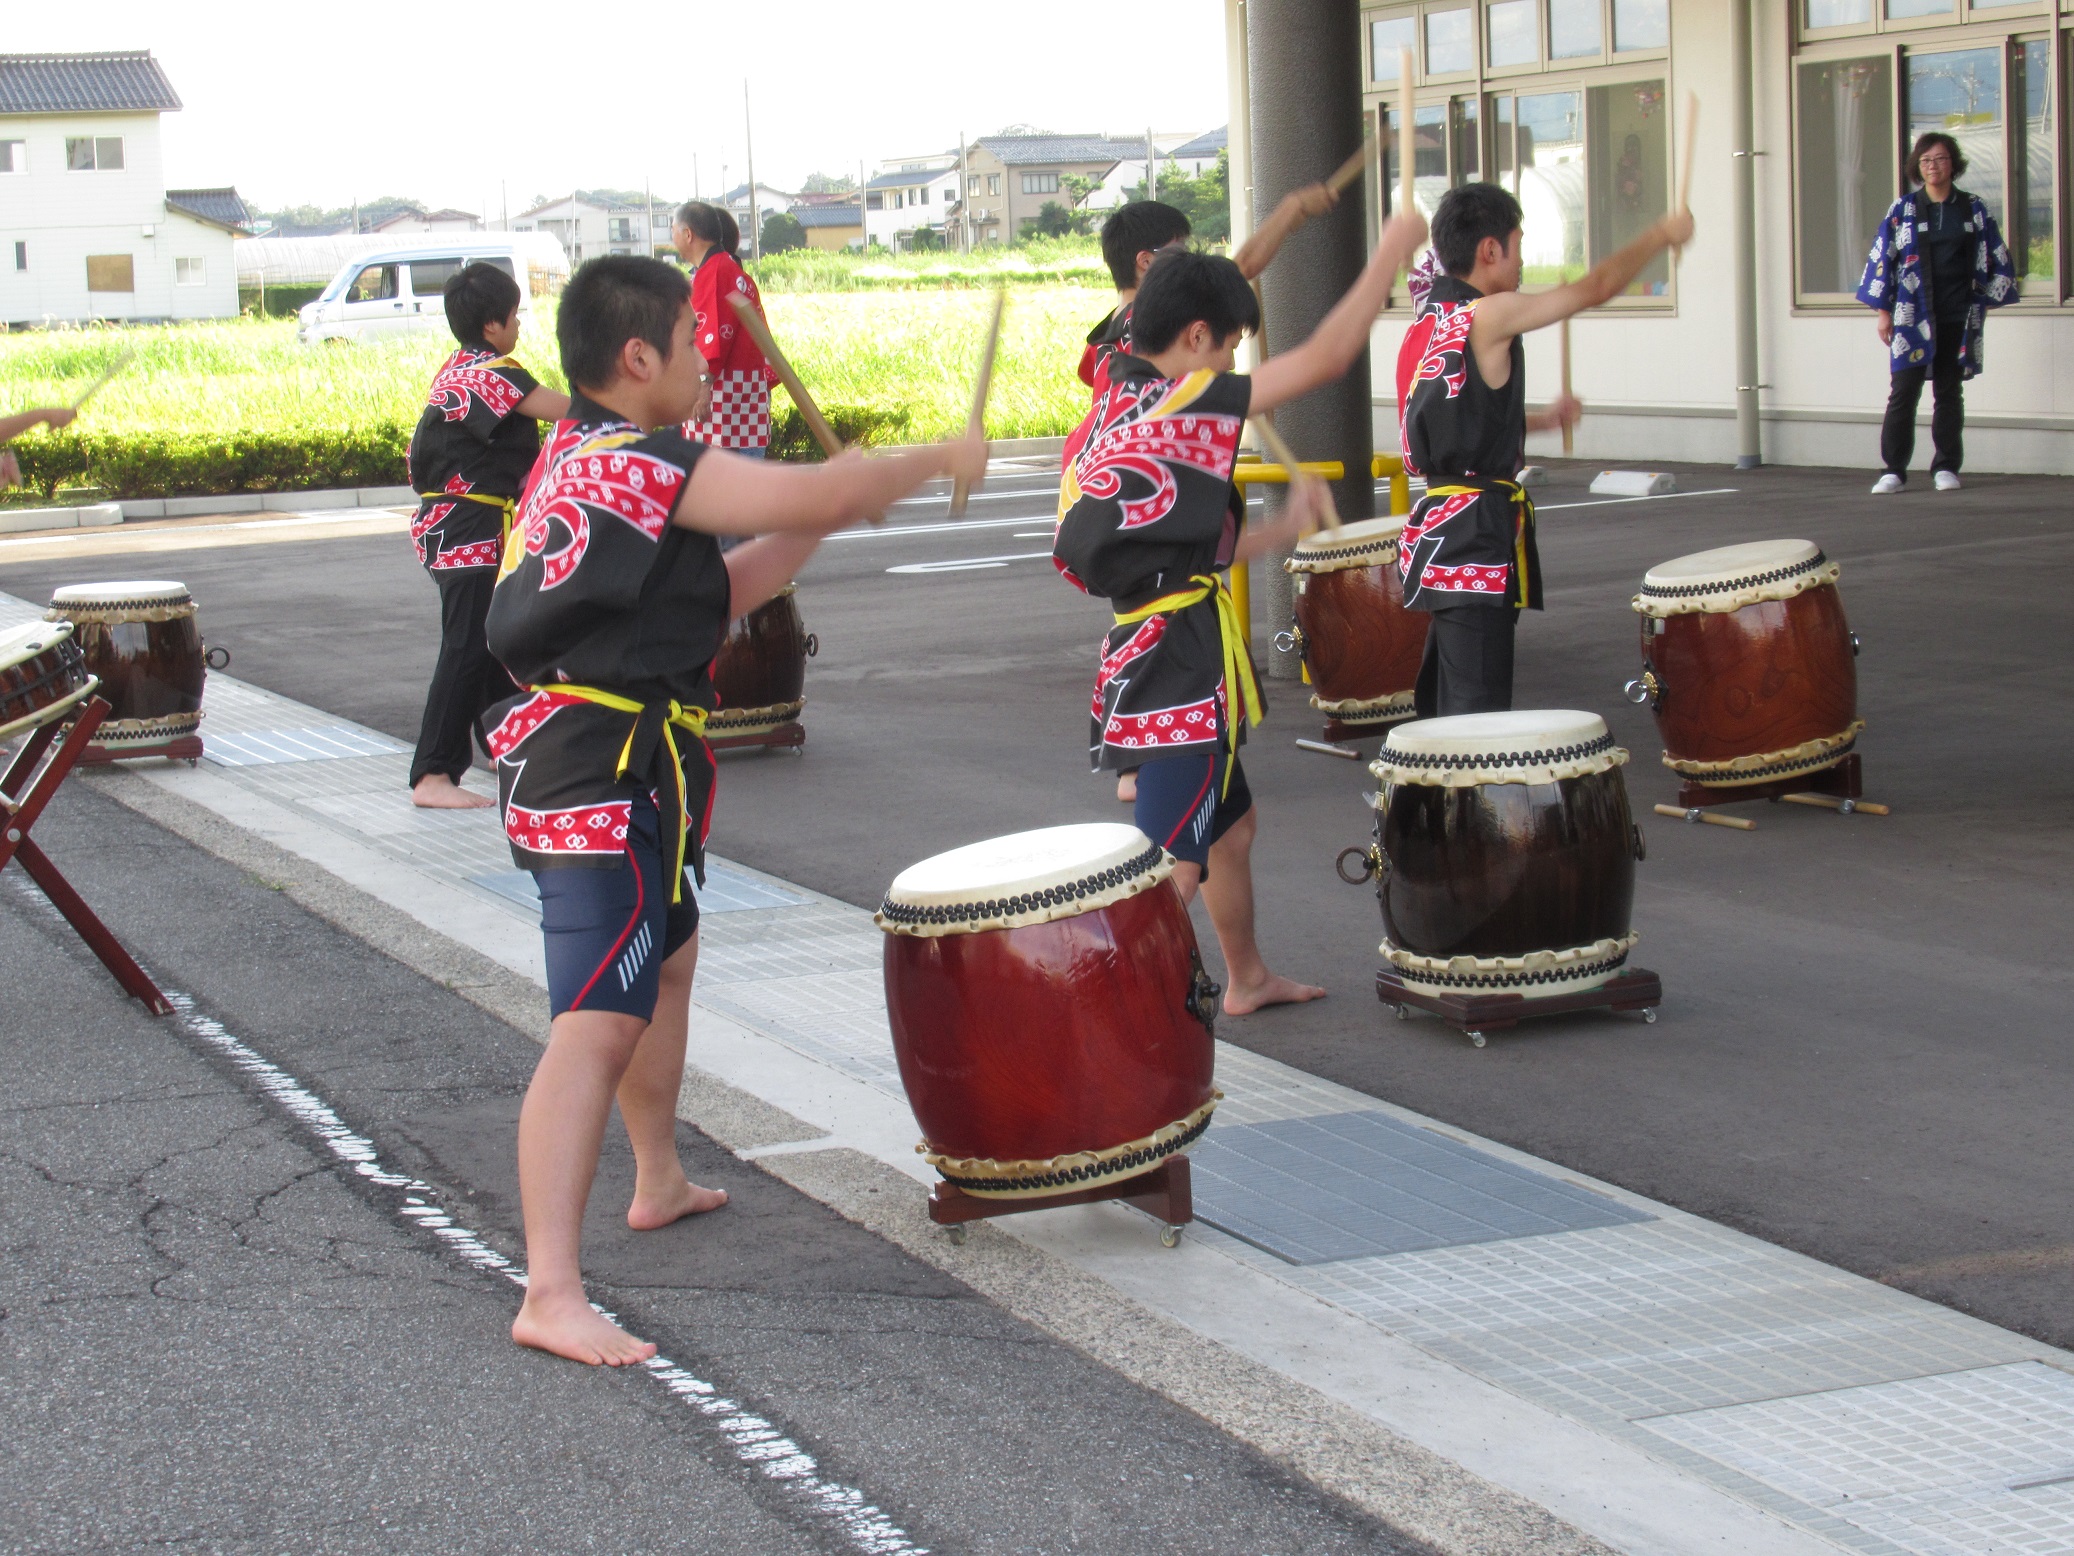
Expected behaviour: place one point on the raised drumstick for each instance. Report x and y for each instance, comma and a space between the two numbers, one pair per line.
1282, 454
752, 321
1351, 169
1404, 135
101, 383
1569, 432
961, 489
1692, 123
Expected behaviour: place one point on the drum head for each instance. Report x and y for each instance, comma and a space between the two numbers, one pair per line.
1527, 746
141, 591
1364, 544
24, 643
1731, 577
1023, 878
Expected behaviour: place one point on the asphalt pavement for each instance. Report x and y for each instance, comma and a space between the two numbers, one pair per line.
1862, 1051
220, 1332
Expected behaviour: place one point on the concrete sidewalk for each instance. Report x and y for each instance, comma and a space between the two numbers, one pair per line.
1383, 1301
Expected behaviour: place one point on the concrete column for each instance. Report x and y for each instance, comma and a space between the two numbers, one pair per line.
1749, 436
1304, 86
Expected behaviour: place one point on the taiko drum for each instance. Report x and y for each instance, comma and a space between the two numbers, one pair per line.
1360, 645
1505, 853
143, 639
1748, 663
1050, 1011
761, 669
42, 675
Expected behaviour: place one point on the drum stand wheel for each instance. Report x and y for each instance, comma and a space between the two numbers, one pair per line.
1478, 1015
1164, 1193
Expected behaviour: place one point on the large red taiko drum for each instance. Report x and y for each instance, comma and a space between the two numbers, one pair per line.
1748, 663
141, 636
42, 675
1360, 645
1050, 1011
760, 672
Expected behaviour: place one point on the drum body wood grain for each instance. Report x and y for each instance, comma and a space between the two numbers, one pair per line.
1771, 676
760, 672
1057, 1055
144, 642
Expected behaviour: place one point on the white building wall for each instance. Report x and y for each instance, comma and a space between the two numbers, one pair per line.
215, 296
1660, 385
884, 224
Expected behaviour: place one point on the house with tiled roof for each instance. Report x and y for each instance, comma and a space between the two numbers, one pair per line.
1010, 177
88, 229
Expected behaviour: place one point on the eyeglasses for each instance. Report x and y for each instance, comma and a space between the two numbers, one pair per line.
1933, 159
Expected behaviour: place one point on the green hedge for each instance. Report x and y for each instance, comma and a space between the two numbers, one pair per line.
127, 465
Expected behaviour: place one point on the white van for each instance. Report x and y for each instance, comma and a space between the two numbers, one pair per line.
396, 291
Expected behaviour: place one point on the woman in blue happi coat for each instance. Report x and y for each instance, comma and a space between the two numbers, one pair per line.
1937, 265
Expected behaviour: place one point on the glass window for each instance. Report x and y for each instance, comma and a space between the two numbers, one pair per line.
1550, 168
1573, 28
1630, 173
1385, 39
21, 255
1960, 93
1512, 33
377, 283
2030, 233
1836, 13
111, 273
1040, 183
79, 154
14, 156
190, 272
1463, 141
428, 277
1898, 10
993, 183
1641, 24
1450, 43
1847, 162
108, 152
1429, 180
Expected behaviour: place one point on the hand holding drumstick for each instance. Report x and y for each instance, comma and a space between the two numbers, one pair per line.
12, 427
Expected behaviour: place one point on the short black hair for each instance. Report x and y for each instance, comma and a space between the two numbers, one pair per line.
1183, 286
1923, 143
611, 300
715, 224
478, 294
1467, 215
1132, 229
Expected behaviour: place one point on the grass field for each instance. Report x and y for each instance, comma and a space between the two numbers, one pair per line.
906, 354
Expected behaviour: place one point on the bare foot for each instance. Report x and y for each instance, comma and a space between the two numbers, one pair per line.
571, 1327
436, 791
1127, 788
1274, 989
683, 1198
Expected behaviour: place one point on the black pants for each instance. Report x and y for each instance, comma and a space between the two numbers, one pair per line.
466, 681
1468, 663
1947, 412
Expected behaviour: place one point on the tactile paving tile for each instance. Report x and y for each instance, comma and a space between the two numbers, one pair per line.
257, 748
1965, 1462
1259, 1090
1349, 1185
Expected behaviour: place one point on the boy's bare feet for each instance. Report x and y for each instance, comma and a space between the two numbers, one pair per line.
1274, 989
436, 791
571, 1327
684, 1198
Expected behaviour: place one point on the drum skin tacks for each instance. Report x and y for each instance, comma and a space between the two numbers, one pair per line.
1748, 663
1050, 1012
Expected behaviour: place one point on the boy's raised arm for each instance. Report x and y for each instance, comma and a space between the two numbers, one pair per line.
1343, 333
1505, 314
1296, 208
12, 427
544, 404
729, 496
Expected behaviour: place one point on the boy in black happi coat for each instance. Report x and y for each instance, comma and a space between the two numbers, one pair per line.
1148, 516
476, 439
611, 602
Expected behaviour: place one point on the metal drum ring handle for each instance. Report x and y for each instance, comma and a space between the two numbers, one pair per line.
1643, 688
1374, 864
215, 656
813, 644
1641, 843
1290, 641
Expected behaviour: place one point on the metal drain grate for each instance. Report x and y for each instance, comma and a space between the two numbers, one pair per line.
1352, 1185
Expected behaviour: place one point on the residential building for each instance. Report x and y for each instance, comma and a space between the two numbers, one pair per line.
588, 228
736, 200
1009, 178
910, 194
430, 221
1577, 106
88, 229
1197, 156
832, 226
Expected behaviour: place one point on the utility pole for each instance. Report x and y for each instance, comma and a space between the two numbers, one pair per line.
694, 175
648, 199
964, 197
1151, 166
749, 155
863, 207
504, 203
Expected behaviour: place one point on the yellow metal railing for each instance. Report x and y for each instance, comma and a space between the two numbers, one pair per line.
1259, 472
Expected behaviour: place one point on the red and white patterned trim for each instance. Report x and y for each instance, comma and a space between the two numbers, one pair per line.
740, 413
582, 829
1140, 643
477, 553
515, 726
471, 375
1466, 579
1193, 723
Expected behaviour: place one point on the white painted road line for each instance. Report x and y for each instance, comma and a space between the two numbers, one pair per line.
902, 531
969, 565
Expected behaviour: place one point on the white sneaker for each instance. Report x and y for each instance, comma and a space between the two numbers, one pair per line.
1948, 481
1886, 484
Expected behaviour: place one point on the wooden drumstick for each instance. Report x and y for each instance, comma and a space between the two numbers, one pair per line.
1404, 134
1352, 168
1569, 431
1712, 818
1832, 803
1279, 450
101, 383
1692, 124
752, 321
961, 489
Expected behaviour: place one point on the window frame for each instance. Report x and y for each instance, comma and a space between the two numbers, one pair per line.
200, 265
94, 143
128, 260
17, 160
2011, 26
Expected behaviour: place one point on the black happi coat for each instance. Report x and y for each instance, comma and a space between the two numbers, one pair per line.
1147, 507
470, 438
1464, 547
598, 589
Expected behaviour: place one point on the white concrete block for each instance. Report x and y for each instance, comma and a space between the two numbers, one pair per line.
188, 507
1634, 483
143, 508
308, 502
387, 497
15, 521
97, 514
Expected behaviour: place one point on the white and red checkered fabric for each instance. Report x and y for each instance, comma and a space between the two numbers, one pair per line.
740, 415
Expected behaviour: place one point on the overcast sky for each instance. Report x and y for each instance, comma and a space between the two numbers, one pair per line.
324, 103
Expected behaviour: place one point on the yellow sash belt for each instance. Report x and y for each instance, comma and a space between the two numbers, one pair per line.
1238, 658
506, 504
676, 717
1521, 520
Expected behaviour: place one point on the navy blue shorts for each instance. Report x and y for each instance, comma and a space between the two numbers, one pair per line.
1184, 806
608, 932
